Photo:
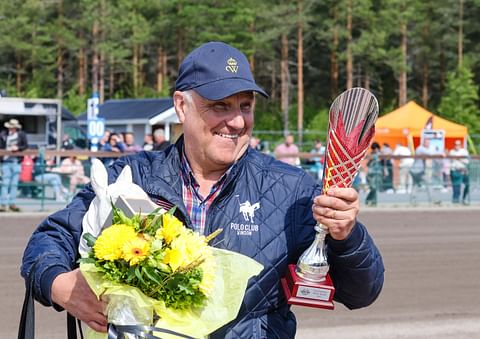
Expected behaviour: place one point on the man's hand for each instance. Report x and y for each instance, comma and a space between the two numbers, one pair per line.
337, 211
71, 291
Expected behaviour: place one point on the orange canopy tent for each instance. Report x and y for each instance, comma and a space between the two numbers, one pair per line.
406, 123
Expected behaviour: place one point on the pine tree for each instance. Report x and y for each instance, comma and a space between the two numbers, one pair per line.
460, 101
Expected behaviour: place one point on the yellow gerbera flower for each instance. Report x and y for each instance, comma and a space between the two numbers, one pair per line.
108, 245
172, 228
136, 250
174, 258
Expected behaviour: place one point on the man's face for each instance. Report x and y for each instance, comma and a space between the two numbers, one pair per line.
159, 138
289, 140
216, 132
129, 139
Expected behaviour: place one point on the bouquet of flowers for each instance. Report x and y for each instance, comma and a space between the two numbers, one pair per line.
157, 254
153, 271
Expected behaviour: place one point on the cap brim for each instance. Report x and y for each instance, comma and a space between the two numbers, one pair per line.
224, 88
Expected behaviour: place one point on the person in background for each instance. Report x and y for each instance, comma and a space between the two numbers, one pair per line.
459, 172
104, 140
405, 181
47, 174
76, 173
14, 140
419, 167
148, 142
67, 142
374, 175
159, 141
255, 143
317, 161
208, 174
265, 147
130, 145
437, 167
115, 144
446, 171
387, 164
287, 151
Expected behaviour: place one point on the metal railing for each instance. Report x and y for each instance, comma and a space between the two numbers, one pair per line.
39, 195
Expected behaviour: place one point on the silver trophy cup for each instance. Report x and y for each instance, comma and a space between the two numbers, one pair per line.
351, 128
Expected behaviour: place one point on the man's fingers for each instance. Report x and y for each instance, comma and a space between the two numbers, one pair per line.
332, 213
99, 327
328, 212
91, 314
348, 194
339, 199
325, 201
98, 318
104, 304
337, 210
338, 215
338, 229
71, 291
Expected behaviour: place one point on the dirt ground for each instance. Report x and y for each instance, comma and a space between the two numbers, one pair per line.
432, 280
431, 290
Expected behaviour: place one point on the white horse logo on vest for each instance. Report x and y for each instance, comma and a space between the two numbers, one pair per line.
248, 210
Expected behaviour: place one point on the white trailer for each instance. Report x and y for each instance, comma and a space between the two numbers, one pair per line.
41, 119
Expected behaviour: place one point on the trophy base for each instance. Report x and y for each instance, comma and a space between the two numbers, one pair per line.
304, 293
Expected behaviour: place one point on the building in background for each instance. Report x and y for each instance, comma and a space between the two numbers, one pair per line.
139, 116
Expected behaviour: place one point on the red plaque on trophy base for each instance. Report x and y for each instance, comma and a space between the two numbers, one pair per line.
305, 293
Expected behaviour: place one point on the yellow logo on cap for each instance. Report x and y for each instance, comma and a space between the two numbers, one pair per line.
231, 65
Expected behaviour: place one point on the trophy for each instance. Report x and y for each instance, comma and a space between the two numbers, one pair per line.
351, 127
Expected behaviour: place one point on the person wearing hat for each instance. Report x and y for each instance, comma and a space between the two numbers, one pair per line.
208, 174
13, 140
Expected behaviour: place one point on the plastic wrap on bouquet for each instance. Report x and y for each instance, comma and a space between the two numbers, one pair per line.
131, 307
131, 312
100, 210
126, 310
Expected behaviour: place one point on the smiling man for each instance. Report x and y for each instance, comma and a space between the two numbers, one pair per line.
267, 209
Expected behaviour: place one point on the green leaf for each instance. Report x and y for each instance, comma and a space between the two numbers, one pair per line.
90, 239
154, 213
138, 273
130, 275
157, 223
172, 210
152, 275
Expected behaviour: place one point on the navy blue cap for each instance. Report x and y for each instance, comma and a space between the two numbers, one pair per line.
215, 71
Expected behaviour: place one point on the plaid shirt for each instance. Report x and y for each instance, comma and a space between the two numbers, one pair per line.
197, 206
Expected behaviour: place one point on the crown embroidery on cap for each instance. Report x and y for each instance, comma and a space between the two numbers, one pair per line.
232, 65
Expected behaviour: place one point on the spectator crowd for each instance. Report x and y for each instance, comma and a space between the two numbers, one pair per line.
400, 170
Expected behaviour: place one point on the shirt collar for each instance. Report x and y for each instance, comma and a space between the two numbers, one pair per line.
189, 178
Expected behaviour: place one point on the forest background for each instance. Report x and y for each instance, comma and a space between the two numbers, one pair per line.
303, 52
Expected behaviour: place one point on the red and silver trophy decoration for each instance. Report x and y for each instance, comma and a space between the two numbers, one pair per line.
351, 128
